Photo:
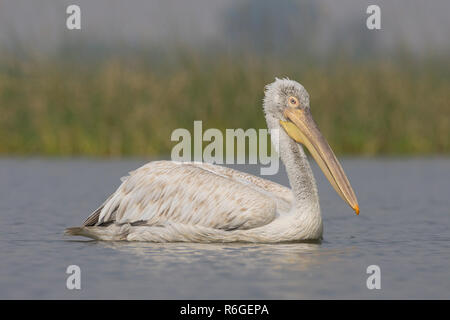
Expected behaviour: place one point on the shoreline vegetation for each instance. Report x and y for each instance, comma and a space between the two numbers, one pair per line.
129, 106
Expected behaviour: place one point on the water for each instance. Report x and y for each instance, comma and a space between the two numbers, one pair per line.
403, 228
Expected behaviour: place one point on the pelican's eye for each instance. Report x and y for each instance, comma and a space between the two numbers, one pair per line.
293, 102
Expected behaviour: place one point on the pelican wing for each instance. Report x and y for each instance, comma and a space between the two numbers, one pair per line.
193, 194
282, 195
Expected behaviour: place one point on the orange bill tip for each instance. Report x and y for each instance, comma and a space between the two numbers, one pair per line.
356, 208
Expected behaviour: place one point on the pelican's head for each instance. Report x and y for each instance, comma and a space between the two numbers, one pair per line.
287, 102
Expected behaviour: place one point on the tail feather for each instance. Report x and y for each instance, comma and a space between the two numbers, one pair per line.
112, 232
80, 231
73, 231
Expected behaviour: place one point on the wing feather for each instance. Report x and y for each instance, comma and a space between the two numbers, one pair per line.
282, 194
193, 194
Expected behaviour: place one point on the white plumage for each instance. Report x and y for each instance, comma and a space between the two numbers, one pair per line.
166, 201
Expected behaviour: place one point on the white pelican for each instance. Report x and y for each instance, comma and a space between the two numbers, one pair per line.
165, 201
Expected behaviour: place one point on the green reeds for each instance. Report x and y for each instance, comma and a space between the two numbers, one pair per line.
130, 106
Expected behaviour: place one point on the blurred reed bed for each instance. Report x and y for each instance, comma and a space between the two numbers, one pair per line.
130, 106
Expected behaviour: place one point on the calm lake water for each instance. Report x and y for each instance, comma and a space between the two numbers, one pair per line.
403, 228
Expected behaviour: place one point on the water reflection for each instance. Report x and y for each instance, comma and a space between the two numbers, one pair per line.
292, 256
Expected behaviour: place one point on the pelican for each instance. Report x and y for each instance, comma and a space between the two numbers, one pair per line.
167, 201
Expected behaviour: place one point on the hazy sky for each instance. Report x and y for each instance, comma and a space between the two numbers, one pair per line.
39, 25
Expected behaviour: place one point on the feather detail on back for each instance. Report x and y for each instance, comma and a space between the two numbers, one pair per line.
193, 194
